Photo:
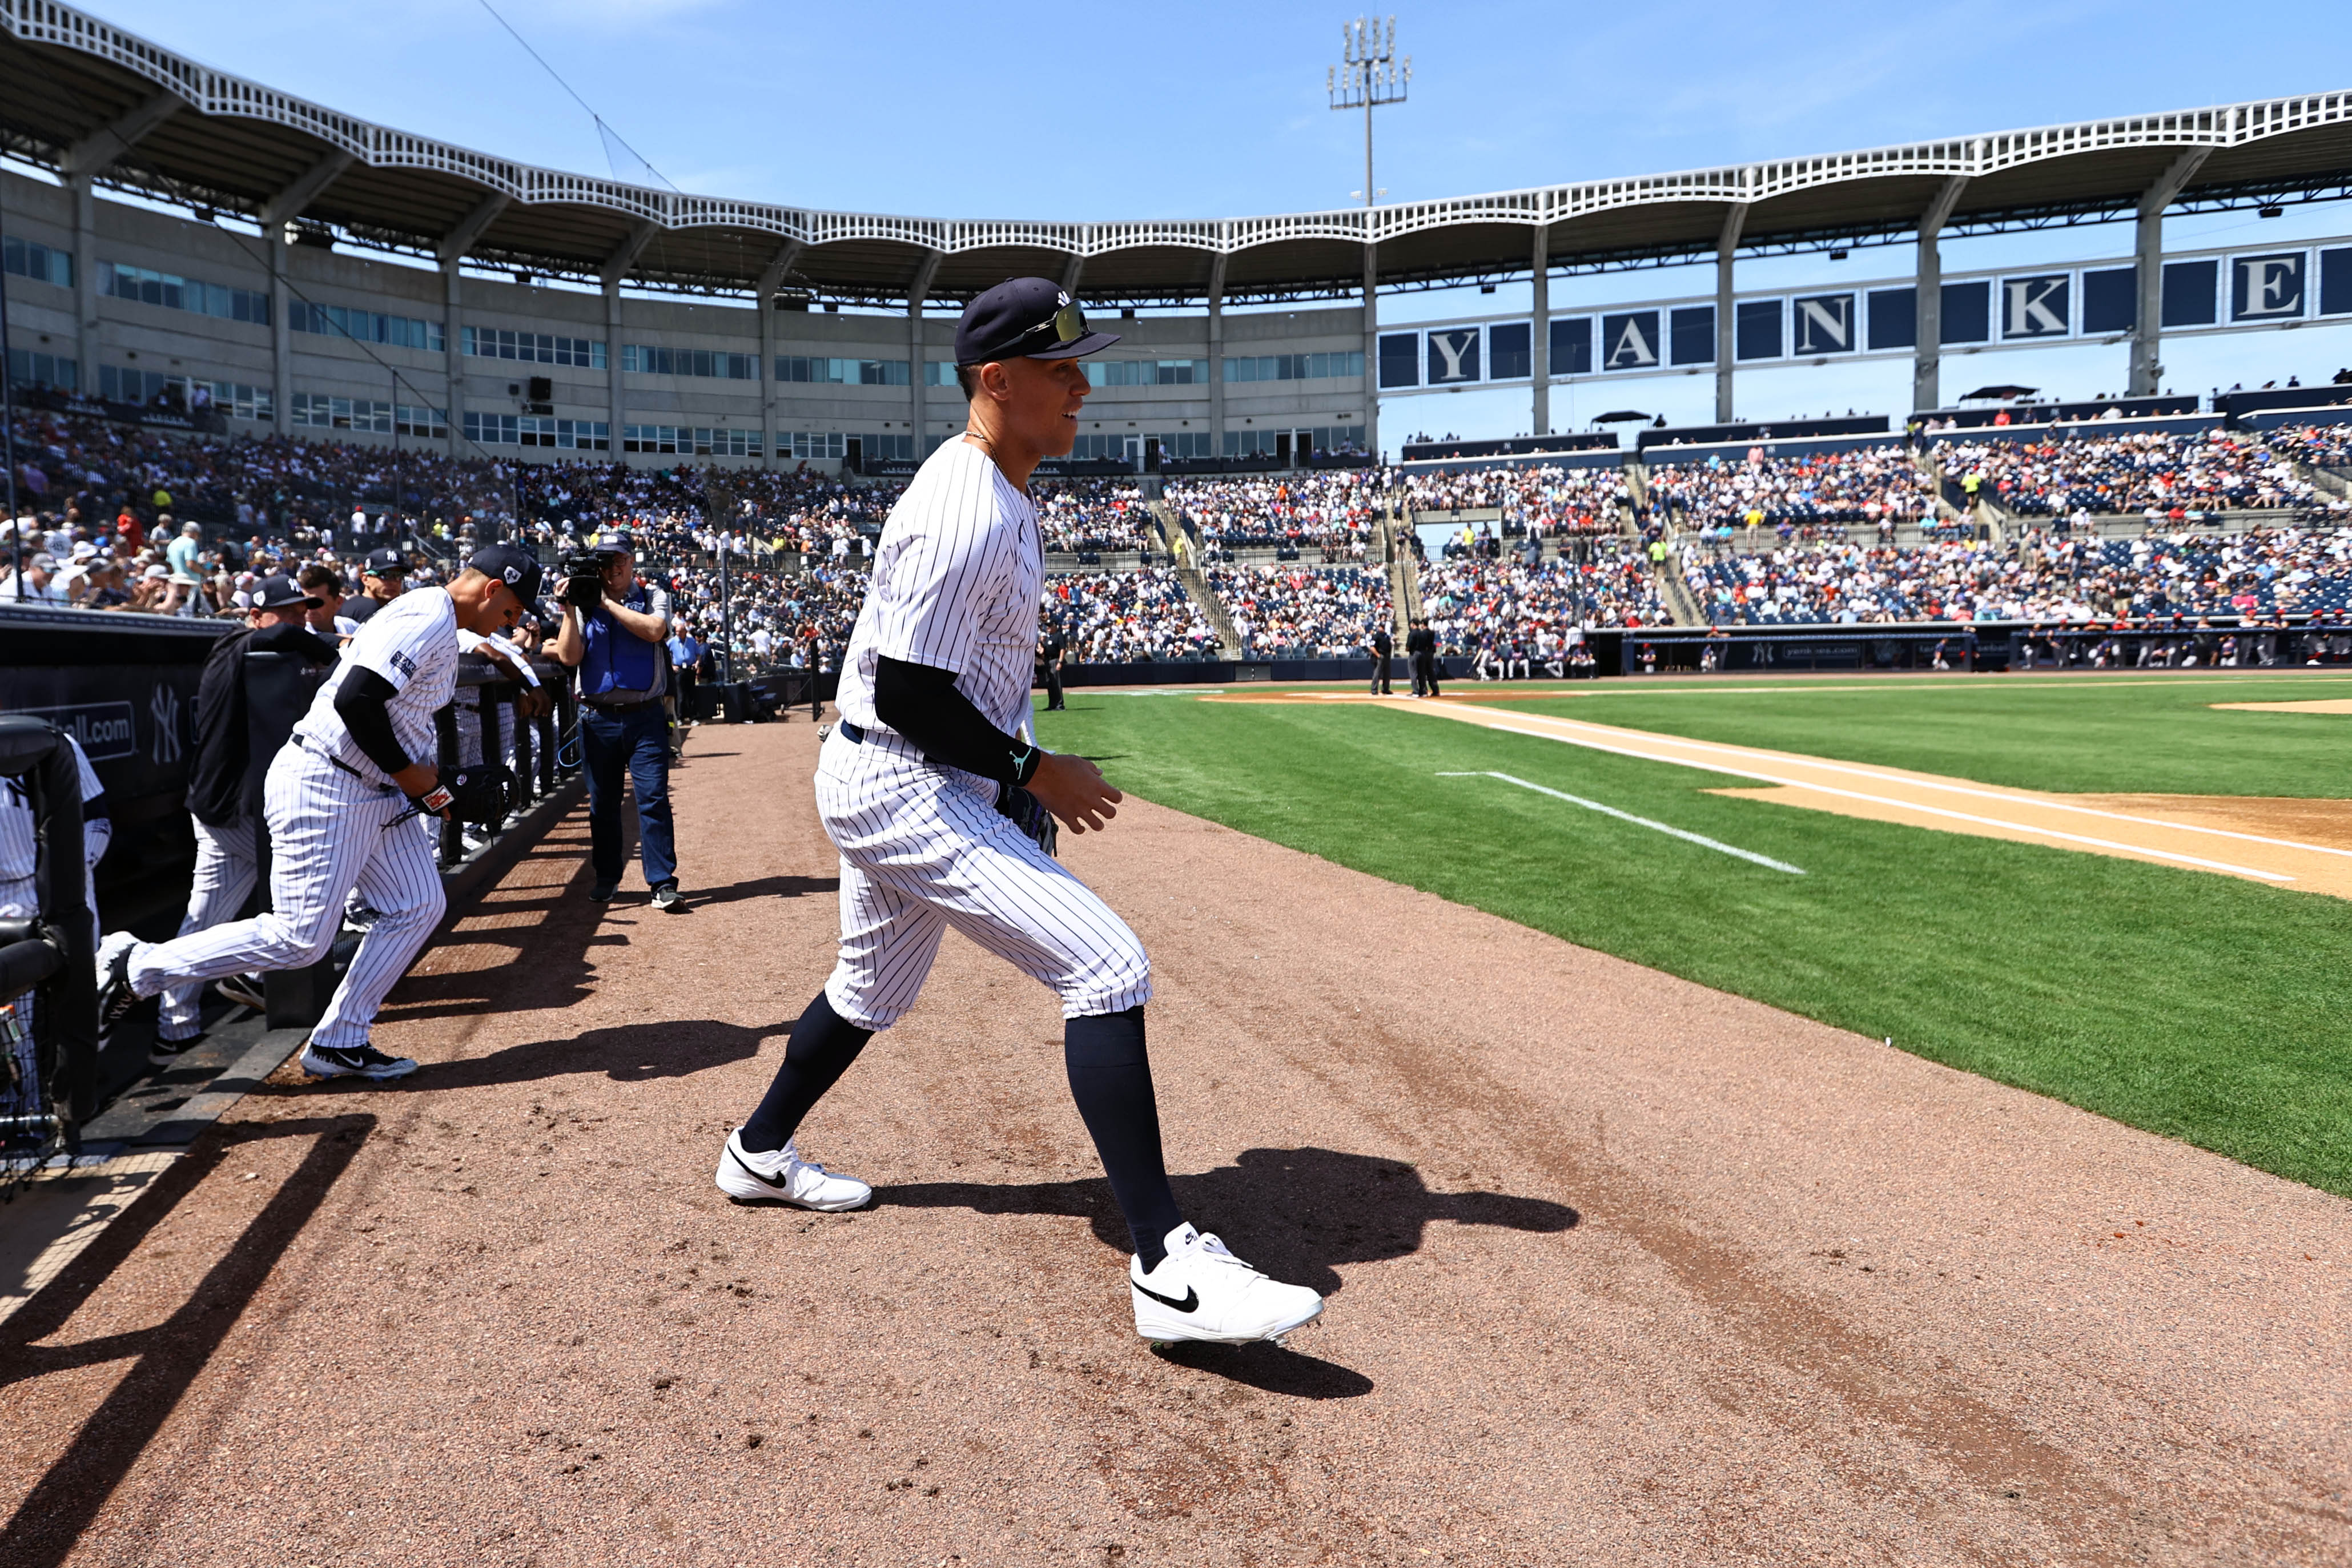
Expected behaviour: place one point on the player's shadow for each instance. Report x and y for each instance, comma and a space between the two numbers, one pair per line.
1295, 1213
625, 1053
763, 888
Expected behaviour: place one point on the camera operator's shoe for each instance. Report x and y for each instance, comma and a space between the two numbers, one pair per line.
353, 1061
602, 893
115, 997
784, 1177
665, 897
1201, 1292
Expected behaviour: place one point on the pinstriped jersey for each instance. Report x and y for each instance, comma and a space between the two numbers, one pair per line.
956, 584
412, 642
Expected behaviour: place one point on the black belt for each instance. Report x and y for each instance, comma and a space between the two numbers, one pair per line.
335, 761
624, 707
855, 735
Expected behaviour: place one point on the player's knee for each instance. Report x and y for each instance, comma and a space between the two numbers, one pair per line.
296, 945
1119, 978
863, 1005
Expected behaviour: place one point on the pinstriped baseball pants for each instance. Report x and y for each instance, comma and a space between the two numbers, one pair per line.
329, 833
225, 867
922, 850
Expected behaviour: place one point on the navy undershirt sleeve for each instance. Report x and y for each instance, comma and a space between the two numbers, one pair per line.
921, 702
360, 700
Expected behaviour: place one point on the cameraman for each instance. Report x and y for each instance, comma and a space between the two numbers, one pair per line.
615, 630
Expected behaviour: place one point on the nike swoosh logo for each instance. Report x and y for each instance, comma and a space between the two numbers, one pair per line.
779, 1183
1191, 1303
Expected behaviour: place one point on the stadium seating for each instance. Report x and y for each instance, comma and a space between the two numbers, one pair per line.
1334, 513
1116, 617
1867, 486
1549, 499
1296, 612
2161, 475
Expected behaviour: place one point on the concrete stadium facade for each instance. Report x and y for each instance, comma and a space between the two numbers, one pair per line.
115, 341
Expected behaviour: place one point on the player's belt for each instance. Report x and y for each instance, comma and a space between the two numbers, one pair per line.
335, 761
851, 732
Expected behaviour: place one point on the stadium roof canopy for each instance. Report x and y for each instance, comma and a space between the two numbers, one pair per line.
80, 96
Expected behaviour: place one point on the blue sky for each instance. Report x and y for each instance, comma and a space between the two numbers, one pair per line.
1115, 111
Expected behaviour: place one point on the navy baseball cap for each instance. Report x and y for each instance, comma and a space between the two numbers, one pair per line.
517, 569
1026, 318
282, 593
613, 541
384, 562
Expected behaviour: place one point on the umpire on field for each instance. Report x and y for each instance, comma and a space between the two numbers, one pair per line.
616, 632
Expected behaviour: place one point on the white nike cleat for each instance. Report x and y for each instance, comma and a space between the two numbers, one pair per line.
1201, 1292
115, 997
784, 1177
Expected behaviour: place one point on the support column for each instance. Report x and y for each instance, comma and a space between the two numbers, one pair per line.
1371, 348
615, 400
617, 267
916, 293
452, 356
1725, 310
1927, 296
281, 335
452, 252
79, 168
764, 299
1071, 273
2147, 272
85, 221
1217, 357
1539, 341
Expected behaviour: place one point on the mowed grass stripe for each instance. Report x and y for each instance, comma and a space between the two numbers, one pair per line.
2192, 1005
2078, 735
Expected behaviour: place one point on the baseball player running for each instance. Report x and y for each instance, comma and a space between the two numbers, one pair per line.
340, 801
934, 690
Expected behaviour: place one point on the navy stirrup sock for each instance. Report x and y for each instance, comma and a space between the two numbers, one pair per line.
821, 1049
1110, 1078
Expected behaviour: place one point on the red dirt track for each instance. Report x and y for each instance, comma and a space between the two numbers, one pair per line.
1623, 1270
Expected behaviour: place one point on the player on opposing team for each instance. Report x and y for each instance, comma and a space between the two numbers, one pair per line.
934, 687
340, 801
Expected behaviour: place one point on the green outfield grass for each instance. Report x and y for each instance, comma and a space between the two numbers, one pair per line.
2196, 1005
2091, 734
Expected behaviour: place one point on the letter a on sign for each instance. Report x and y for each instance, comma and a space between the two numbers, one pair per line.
1632, 340
2034, 307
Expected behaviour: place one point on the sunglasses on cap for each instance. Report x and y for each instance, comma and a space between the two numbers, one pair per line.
1067, 324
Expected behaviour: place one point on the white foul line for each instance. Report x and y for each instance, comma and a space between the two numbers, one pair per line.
1638, 821
1901, 804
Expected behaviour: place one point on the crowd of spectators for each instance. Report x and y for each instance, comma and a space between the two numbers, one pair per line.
1548, 499
2164, 476
1336, 513
1094, 516
2322, 446
1878, 486
1116, 617
2042, 575
1301, 612
1496, 604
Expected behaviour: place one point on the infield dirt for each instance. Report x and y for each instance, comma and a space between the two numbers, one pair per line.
1622, 1269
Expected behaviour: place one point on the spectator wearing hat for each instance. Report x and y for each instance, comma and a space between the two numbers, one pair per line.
276, 621
35, 584
383, 575
619, 645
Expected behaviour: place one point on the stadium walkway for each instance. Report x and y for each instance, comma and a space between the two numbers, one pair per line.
1625, 1271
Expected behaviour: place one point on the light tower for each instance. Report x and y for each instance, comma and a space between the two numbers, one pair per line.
1369, 75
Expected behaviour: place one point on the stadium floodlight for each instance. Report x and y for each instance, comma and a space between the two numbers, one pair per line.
1370, 74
